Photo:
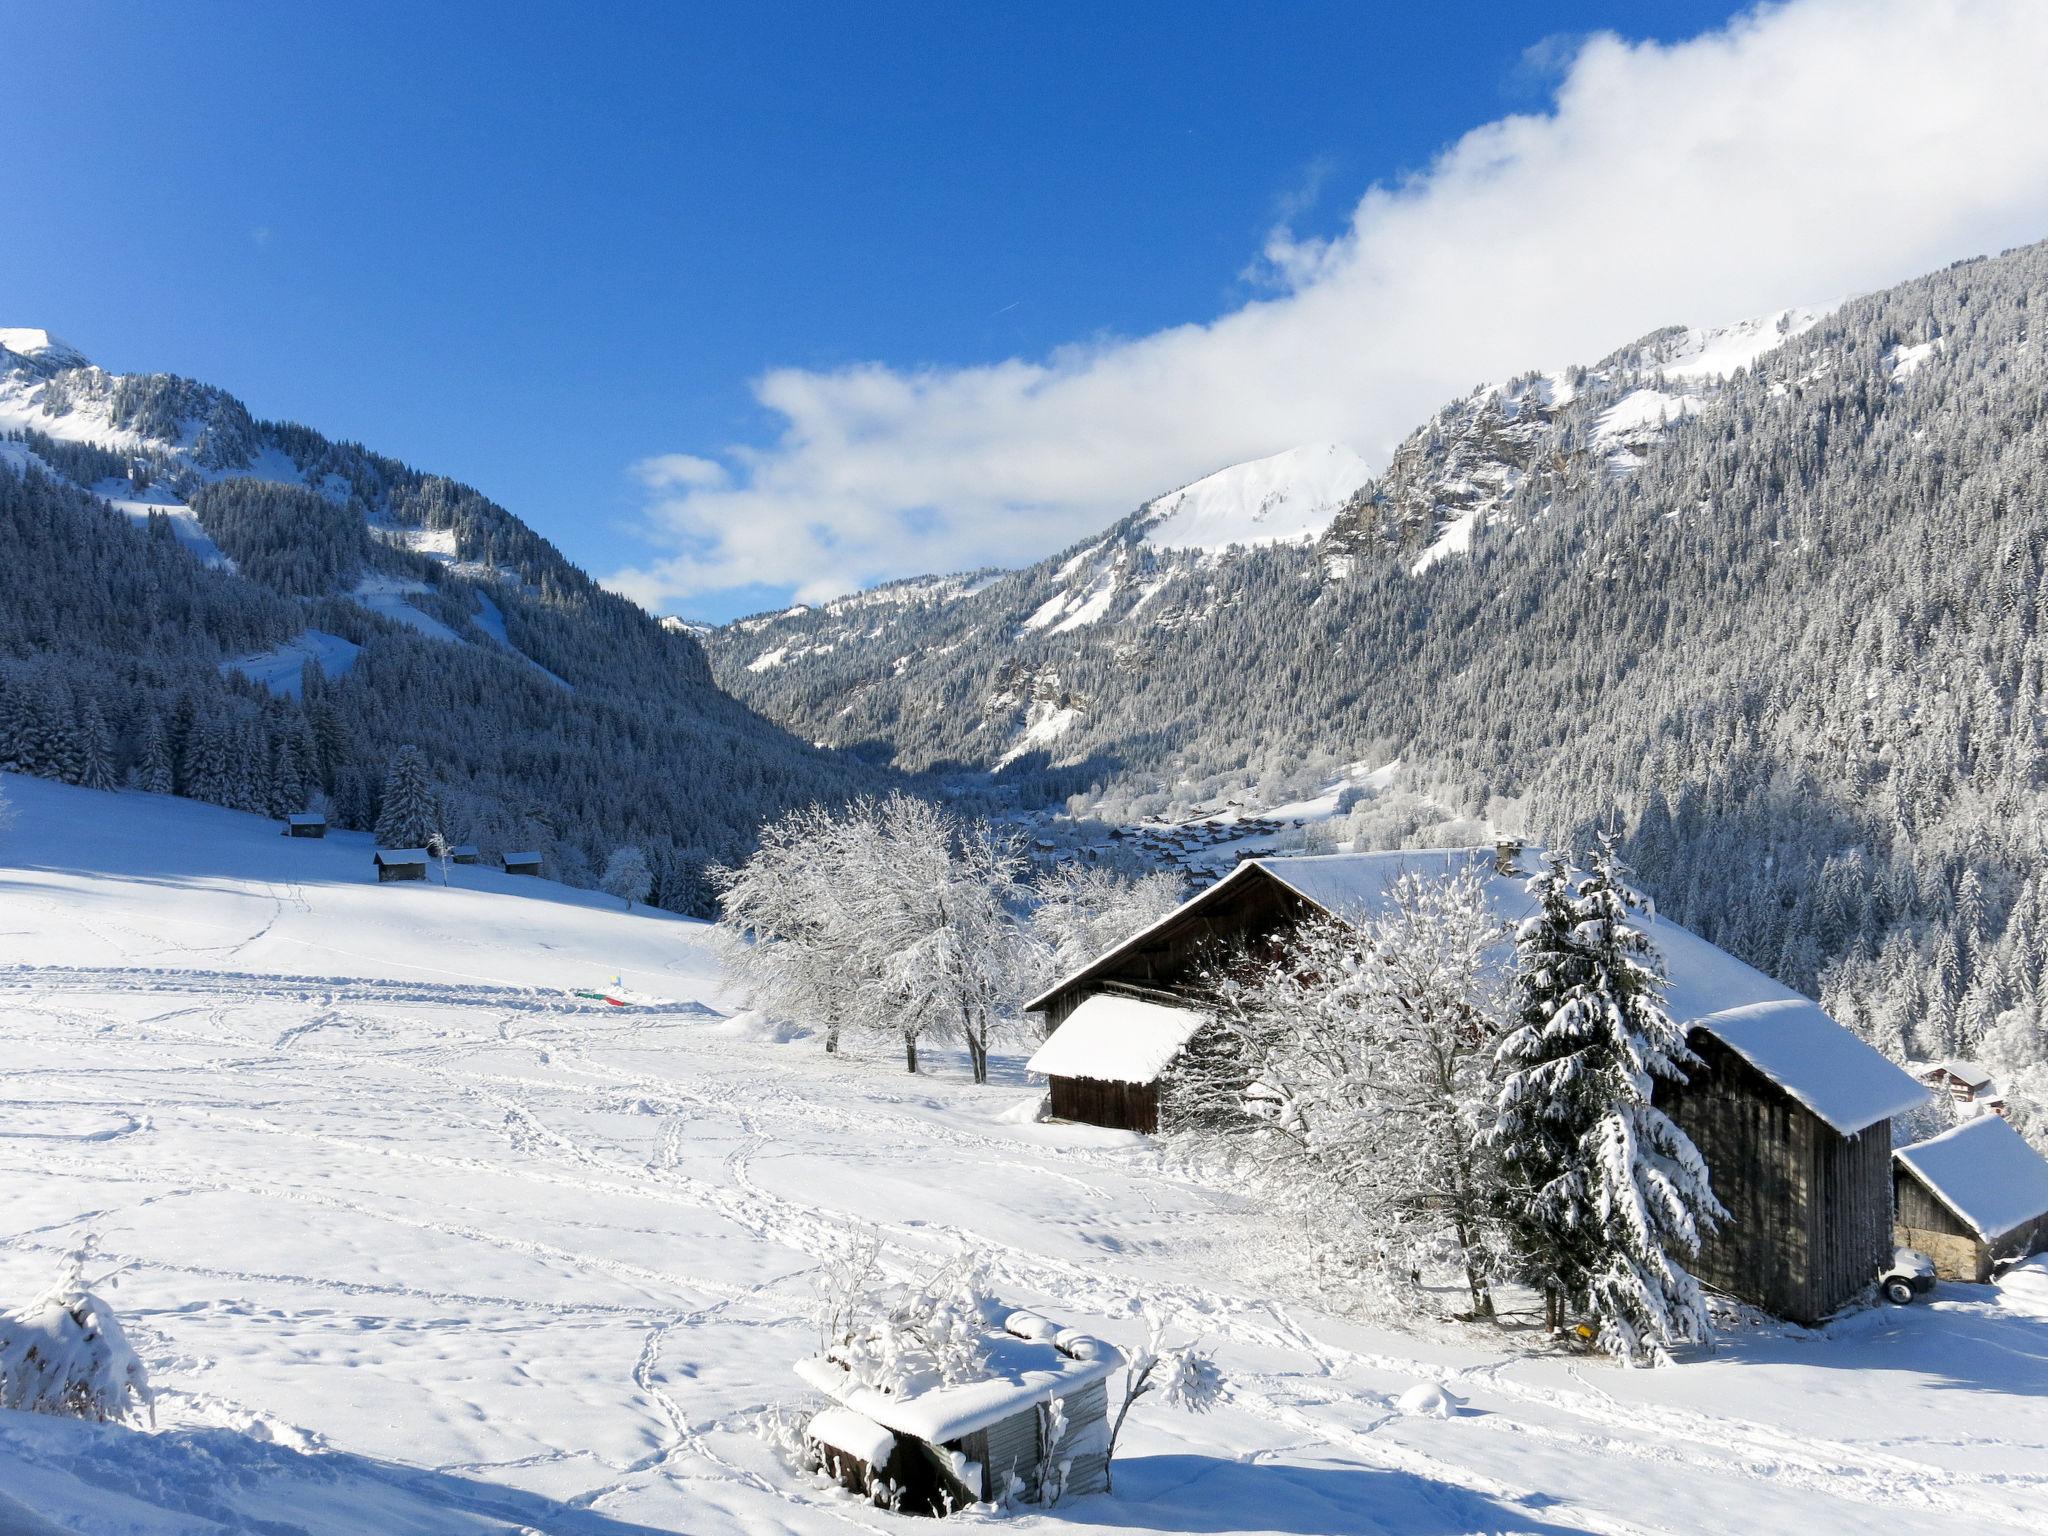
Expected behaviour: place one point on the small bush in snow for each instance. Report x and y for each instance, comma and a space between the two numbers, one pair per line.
1184, 1376
65, 1354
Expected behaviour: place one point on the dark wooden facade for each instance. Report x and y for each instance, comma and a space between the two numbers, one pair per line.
1119, 1106
1959, 1251
399, 868
1809, 1209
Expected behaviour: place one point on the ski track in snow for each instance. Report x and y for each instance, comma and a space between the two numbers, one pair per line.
363, 1216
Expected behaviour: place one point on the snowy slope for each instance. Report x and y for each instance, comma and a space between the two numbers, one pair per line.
416, 1243
1286, 498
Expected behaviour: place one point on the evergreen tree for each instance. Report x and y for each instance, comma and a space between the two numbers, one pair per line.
156, 777
96, 748
408, 815
1609, 1196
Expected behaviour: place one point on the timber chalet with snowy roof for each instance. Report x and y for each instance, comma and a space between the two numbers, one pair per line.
1791, 1112
305, 824
1972, 1198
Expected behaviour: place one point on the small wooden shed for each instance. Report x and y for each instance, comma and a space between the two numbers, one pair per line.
931, 1450
1972, 1197
305, 824
1105, 1062
401, 864
527, 863
465, 853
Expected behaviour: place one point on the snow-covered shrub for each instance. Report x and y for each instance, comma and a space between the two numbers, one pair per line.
904, 1337
1184, 1376
64, 1353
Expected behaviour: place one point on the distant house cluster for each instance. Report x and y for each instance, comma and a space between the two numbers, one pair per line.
1792, 1112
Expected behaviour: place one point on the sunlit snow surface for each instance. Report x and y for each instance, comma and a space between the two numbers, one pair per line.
417, 1242
1286, 498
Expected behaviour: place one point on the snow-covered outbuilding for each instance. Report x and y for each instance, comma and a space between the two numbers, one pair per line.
305, 824
1105, 1062
1792, 1112
527, 863
1039, 1406
1972, 1197
465, 853
402, 863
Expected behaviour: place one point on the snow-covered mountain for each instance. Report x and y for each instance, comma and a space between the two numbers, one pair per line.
1498, 456
206, 559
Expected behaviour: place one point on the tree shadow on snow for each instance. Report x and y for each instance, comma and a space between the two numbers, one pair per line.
66, 1471
1206, 1494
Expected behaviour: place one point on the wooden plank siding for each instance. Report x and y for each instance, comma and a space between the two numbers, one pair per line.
1119, 1106
1015, 1448
1809, 1210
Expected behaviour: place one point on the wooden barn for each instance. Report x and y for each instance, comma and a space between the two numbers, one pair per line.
522, 863
933, 1450
305, 824
1792, 1113
402, 863
1105, 1062
1972, 1198
465, 853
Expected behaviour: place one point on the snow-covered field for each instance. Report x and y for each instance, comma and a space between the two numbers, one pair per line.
412, 1240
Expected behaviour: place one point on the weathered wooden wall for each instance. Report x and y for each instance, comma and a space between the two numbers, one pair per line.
1925, 1222
1119, 1106
1809, 1218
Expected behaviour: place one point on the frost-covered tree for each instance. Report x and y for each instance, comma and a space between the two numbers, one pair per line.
409, 815
1183, 1376
626, 874
1356, 1065
64, 1353
1079, 911
1607, 1196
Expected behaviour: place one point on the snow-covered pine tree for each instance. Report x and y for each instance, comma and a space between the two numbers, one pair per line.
408, 815
1608, 1196
96, 748
155, 775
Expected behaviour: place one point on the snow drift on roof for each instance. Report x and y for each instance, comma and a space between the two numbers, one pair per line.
1821, 1064
1985, 1172
402, 855
853, 1433
1116, 1039
1017, 1373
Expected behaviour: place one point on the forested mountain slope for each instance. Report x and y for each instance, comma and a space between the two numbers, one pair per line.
250, 613
1787, 631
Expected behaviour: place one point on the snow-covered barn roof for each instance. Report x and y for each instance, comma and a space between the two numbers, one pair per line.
1985, 1172
1815, 1060
1025, 1361
1116, 1039
1705, 980
306, 819
522, 858
402, 855
462, 850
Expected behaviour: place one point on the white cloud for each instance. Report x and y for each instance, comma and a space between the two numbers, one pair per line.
1804, 152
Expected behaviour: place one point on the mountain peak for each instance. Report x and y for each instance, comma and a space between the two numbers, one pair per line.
1286, 498
41, 346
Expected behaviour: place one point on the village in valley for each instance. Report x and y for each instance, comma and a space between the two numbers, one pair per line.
1247, 773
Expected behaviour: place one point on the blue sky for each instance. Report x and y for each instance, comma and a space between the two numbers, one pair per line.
534, 247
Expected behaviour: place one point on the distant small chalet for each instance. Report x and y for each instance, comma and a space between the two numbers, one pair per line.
1792, 1112
932, 1448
